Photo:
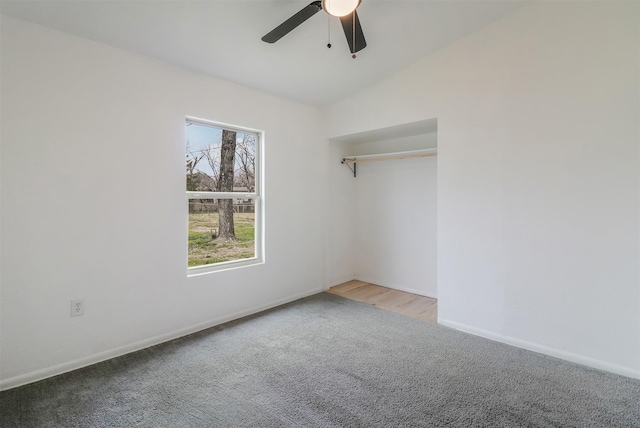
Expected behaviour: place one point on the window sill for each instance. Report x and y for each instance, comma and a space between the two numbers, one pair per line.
224, 266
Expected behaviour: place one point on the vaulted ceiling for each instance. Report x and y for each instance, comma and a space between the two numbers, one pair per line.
222, 38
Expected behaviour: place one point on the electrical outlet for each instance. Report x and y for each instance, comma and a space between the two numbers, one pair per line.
77, 307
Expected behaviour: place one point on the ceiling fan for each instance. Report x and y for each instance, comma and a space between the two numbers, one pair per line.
343, 9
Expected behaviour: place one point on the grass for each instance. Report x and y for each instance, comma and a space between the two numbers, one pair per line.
204, 250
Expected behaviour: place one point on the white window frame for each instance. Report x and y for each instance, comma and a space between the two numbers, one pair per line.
256, 196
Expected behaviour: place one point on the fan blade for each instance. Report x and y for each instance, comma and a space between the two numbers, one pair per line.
348, 27
283, 29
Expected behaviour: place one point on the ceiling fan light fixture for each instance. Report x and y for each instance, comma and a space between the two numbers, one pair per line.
340, 8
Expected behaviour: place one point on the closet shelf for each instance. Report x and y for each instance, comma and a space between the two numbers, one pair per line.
387, 156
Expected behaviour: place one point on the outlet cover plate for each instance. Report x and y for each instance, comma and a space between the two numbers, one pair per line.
77, 307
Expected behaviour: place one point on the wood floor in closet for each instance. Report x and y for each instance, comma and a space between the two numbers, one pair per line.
413, 305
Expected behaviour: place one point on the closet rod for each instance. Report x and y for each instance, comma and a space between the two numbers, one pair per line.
391, 156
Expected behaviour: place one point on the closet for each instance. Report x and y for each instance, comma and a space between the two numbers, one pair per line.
394, 205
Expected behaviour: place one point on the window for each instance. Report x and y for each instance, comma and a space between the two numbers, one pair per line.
223, 186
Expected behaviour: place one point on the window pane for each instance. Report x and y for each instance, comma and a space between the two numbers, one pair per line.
221, 230
219, 160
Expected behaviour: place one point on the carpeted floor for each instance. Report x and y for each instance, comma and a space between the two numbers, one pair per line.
325, 361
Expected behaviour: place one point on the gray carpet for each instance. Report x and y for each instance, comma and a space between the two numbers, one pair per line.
325, 361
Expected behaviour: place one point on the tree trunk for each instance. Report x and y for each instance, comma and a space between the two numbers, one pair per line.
225, 184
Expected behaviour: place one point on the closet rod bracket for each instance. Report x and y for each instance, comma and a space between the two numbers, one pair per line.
344, 161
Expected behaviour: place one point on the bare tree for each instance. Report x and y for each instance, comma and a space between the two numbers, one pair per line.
212, 153
246, 161
225, 184
193, 157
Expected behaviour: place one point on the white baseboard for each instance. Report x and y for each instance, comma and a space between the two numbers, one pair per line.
137, 346
413, 291
408, 290
338, 281
557, 353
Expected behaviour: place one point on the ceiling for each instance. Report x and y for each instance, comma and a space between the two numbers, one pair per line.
222, 38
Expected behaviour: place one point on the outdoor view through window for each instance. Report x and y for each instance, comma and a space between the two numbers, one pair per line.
223, 192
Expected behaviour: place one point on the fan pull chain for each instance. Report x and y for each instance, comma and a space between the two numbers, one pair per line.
328, 31
353, 33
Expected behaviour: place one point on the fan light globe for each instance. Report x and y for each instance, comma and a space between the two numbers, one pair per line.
339, 8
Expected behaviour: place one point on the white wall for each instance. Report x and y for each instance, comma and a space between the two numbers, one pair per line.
93, 202
538, 176
340, 215
395, 224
